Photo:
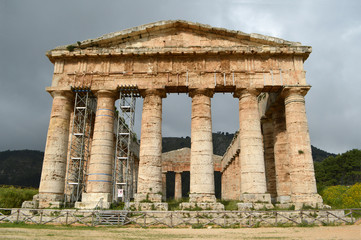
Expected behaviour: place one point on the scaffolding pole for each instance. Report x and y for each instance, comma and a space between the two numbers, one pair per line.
79, 152
125, 138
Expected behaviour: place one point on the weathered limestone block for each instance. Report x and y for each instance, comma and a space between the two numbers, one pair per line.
201, 167
99, 183
253, 180
52, 181
150, 162
202, 205
302, 170
147, 206
254, 206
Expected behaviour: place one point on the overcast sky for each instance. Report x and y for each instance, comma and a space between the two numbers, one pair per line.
333, 28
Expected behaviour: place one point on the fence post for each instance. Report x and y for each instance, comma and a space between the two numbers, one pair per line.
41, 217
66, 218
145, 221
276, 220
18, 215
171, 219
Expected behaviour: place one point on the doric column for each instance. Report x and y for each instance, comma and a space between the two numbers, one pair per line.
282, 161
267, 127
201, 167
99, 183
253, 180
52, 183
164, 186
150, 162
178, 186
303, 180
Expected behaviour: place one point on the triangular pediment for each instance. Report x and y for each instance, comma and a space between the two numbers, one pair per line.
179, 33
177, 36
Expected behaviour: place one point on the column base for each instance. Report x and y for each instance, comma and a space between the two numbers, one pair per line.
94, 200
148, 197
202, 198
256, 197
310, 200
49, 200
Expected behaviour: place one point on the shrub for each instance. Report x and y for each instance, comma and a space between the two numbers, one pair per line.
13, 197
343, 196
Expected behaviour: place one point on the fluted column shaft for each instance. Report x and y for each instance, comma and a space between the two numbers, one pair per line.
178, 186
201, 166
164, 186
52, 181
269, 159
282, 161
253, 179
102, 151
301, 169
150, 162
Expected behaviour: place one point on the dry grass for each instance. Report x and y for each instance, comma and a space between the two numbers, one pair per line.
104, 233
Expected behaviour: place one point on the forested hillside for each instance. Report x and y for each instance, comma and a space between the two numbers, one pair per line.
343, 169
21, 168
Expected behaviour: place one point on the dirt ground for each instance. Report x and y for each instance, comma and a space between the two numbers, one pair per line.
334, 232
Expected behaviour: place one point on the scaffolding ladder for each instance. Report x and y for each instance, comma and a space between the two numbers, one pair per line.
79, 148
124, 159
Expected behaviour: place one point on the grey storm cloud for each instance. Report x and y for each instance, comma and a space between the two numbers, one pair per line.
333, 28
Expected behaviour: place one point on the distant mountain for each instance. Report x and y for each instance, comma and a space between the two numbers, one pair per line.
221, 142
23, 167
319, 155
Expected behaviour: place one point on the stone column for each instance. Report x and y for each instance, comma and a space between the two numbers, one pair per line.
267, 127
99, 184
303, 180
253, 179
164, 186
52, 183
201, 167
178, 186
150, 162
282, 162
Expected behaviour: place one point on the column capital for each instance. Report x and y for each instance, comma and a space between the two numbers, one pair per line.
239, 92
295, 90
201, 91
153, 91
106, 93
62, 93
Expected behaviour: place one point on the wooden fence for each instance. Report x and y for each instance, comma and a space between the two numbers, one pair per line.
172, 219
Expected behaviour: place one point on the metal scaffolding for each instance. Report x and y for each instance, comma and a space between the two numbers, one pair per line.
79, 152
123, 183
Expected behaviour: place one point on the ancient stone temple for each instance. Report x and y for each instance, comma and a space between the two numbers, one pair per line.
270, 159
